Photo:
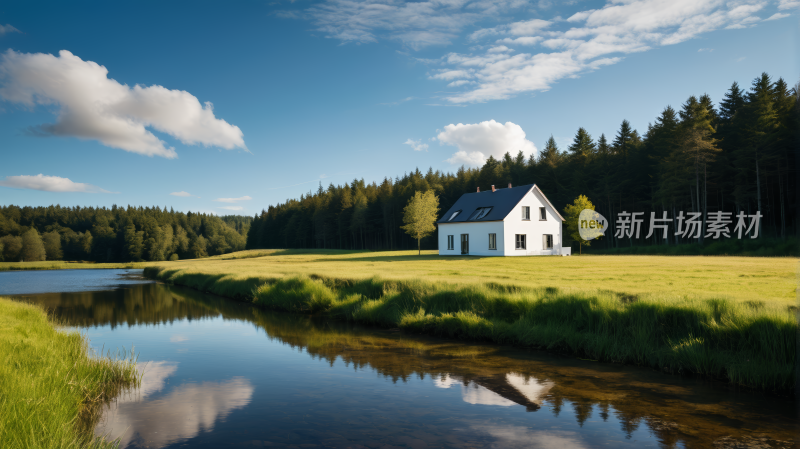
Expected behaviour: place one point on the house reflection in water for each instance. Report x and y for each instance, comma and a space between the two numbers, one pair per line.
503, 390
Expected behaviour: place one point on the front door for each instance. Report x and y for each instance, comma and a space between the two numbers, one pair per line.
464, 243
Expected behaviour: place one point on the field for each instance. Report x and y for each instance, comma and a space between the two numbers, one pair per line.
771, 280
726, 318
51, 385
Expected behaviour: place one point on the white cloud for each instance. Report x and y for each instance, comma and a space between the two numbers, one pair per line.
95, 107
459, 83
595, 38
788, 4
49, 184
530, 40
448, 75
777, 16
700, 50
417, 145
183, 194
498, 49
414, 24
232, 207
233, 200
478, 141
4, 29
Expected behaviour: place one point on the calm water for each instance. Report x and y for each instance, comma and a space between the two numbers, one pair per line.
223, 374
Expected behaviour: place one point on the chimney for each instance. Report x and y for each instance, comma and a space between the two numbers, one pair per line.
492, 188
479, 190
509, 185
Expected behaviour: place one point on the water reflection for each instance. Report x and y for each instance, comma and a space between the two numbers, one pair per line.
508, 397
508, 390
181, 414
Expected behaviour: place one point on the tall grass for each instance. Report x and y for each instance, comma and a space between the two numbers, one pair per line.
51, 384
748, 343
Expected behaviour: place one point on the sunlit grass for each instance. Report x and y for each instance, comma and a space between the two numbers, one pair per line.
51, 384
62, 265
722, 317
736, 278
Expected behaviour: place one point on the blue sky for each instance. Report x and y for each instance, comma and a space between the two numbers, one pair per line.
306, 91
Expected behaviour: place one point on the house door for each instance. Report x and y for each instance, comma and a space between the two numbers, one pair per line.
464, 243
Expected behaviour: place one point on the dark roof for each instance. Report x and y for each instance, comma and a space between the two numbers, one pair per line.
502, 202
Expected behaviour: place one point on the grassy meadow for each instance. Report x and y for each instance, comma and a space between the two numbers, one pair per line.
770, 280
51, 384
730, 318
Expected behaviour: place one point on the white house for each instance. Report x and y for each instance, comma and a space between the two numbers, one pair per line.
517, 221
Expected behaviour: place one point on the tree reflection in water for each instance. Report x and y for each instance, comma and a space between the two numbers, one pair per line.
677, 411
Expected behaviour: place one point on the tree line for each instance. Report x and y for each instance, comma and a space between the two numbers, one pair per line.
737, 155
117, 234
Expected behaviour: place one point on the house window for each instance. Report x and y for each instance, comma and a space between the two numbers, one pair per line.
547, 241
492, 241
480, 213
451, 242
520, 241
526, 212
542, 214
464, 243
454, 215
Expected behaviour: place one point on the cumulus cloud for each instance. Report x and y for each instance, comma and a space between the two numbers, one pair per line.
476, 142
788, 4
588, 41
232, 207
417, 145
233, 200
94, 107
49, 184
4, 29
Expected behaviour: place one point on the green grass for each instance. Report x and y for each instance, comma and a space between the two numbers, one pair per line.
51, 384
62, 265
721, 317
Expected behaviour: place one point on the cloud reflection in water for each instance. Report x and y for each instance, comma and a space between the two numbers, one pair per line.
183, 413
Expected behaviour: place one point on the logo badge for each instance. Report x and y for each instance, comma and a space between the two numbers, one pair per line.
591, 224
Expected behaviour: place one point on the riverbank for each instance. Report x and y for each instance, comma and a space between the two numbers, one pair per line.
746, 341
52, 385
63, 265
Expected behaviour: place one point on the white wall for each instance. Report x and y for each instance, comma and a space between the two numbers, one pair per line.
478, 238
506, 231
533, 229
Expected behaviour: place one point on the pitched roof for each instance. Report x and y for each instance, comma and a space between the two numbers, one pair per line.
502, 202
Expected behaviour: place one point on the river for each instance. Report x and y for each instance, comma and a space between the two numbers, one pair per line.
218, 373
